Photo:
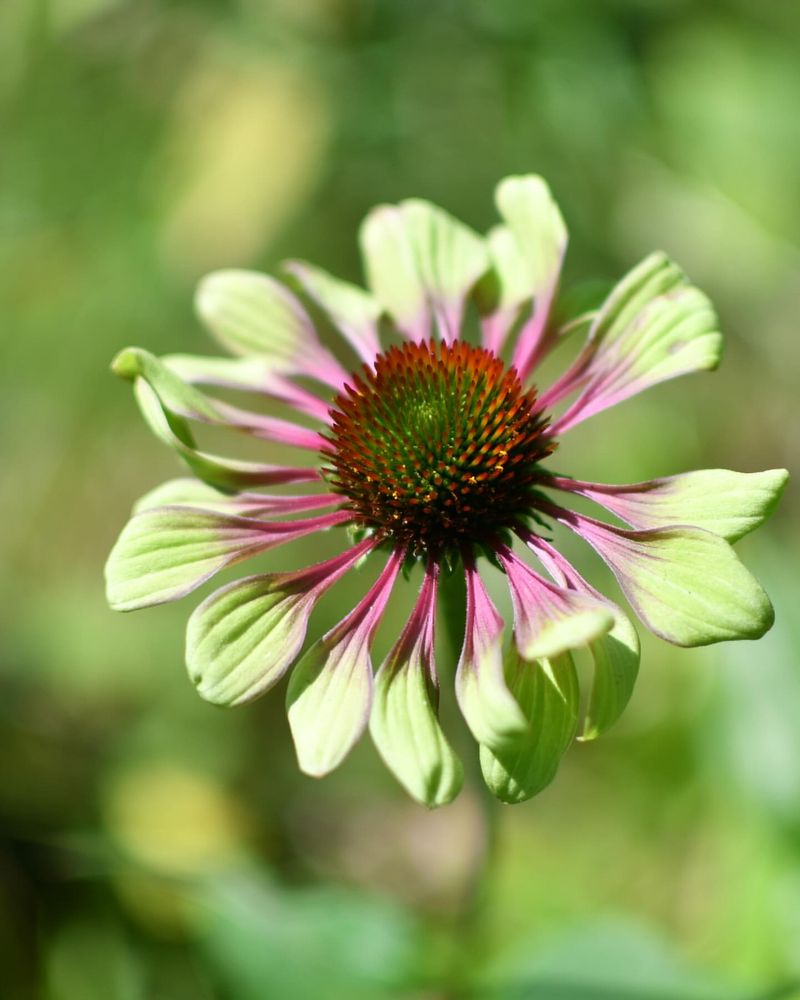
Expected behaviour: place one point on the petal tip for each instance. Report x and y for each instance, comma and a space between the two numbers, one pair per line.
780, 480
214, 289
570, 633
126, 364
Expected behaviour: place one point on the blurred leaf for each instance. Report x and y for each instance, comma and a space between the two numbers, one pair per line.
244, 150
92, 960
294, 944
608, 960
753, 739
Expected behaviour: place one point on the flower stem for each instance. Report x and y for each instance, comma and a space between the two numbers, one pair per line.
470, 919
453, 595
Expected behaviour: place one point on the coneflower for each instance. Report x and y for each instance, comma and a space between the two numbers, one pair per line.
435, 451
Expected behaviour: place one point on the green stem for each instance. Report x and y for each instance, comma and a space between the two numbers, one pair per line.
453, 597
471, 917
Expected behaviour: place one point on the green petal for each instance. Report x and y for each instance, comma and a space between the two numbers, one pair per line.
184, 401
489, 708
351, 309
616, 666
175, 395
226, 474
406, 731
575, 629
421, 264
669, 322
501, 293
248, 374
507, 285
252, 314
164, 554
615, 654
527, 207
547, 692
509, 268
653, 326
328, 701
192, 493
549, 619
243, 638
730, 504
686, 584
184, 492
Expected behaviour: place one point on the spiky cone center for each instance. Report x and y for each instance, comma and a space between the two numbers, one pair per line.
437, 447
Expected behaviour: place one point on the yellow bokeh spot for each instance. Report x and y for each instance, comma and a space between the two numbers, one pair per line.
249, 139
175, 821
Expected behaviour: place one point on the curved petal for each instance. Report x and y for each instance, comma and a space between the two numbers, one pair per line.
185, 492
530, 212
421, 265
403, 721
224, 473
185, 401
244, 637
252, 314
489, 708
504, 290
547, 692
165, 553
653, 326
729, 504
686, 584
330, 690
615, 655
247, 375
548, 619
354, 312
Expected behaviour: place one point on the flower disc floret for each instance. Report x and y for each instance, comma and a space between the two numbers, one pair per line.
437, 446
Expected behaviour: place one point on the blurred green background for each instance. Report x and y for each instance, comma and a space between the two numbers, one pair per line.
155, 847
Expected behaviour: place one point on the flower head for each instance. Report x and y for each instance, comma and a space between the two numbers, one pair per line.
435, 452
